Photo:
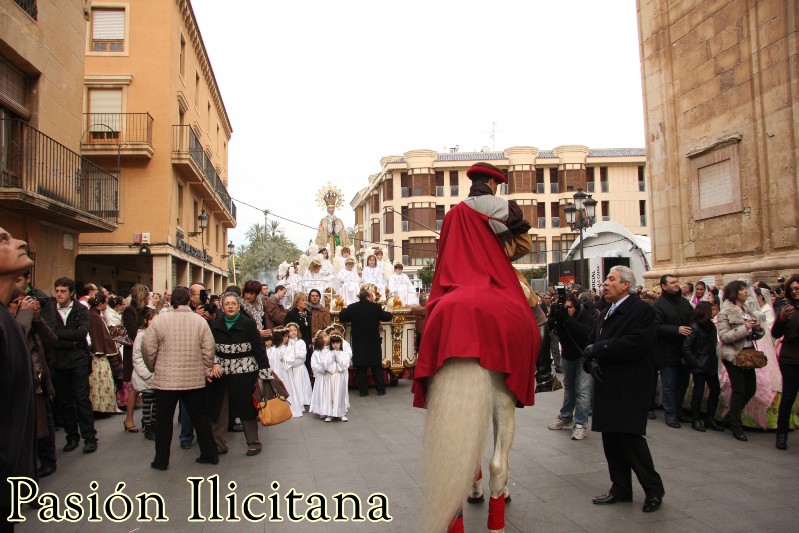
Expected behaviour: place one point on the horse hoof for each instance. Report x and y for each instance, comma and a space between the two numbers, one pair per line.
476, 499
507, 498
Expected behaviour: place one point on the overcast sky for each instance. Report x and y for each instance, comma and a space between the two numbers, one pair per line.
319, 91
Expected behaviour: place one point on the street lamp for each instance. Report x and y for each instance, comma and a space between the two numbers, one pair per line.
118, 138
581, 215
202, 220
237, 272
231, 250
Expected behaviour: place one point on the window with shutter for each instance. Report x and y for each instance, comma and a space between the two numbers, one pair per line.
13, 90
105, 113
108, 30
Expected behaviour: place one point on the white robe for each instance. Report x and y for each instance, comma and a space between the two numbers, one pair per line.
294, 364
276, 356
314, 281
320, 397
349, 286
374, 276
400, 285
338, 371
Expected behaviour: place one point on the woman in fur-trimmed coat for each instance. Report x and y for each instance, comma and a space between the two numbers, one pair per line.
240, 355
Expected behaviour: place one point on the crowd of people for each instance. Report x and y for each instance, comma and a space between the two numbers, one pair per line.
700, 330
90, 353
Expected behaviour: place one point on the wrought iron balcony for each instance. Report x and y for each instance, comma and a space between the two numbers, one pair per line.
41, 177
117, 134
190, 158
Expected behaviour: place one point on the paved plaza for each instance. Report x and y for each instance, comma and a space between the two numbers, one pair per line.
713, 482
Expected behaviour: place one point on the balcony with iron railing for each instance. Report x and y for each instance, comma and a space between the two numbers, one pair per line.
539, 188
117, 134
194, 164
555, 222
40, 177
589, 186
542, 222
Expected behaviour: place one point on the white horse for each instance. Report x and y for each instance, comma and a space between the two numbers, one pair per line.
461, 399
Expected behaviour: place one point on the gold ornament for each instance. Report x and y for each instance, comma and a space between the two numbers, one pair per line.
330, 195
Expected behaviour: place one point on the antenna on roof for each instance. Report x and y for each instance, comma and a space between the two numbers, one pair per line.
454, 149
493, 136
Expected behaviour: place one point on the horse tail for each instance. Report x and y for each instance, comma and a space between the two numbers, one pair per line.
459, 407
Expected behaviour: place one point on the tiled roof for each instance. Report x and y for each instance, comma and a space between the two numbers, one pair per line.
616, 152
542, 154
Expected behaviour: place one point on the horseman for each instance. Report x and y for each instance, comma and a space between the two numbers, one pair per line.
463, 380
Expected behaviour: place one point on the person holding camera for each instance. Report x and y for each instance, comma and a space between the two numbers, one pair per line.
573, 323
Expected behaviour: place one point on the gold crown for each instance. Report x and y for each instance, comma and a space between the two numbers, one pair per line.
330, 195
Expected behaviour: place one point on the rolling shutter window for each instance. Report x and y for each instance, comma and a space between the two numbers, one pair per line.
105, 106
12, 90
108, 24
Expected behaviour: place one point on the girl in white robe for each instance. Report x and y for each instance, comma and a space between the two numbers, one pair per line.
293, 360
349, 283
374, 275
338, 376
338, 329
276, 355
313, 278
320, 363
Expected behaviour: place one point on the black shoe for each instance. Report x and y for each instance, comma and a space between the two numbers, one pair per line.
673, 424
149, 434
157, 466
235, 428
253, 451
712, 424
185, 445
48, 468
697, 425
381, 393
684, 419
364, 394
71, 445
90, 446
652, 504
782, 442
609, 499
739, 434
208, 461
651, 415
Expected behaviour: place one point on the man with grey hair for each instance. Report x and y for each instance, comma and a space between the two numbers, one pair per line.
619, 356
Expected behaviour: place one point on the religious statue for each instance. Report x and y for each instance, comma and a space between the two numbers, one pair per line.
332, 232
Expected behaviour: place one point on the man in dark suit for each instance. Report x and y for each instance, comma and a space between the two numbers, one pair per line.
364, 317
672, 324
619, 356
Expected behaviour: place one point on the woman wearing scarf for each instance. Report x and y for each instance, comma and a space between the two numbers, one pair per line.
240, 355
252, 306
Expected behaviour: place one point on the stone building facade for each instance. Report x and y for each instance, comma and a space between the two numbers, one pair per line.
49, 194
720, 83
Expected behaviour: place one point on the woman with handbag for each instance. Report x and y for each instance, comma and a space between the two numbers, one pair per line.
106, 366
737, 327
787, 327
240, 358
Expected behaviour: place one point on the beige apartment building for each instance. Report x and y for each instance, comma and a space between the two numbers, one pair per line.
720, 83
407, 200
152, 109
49, 195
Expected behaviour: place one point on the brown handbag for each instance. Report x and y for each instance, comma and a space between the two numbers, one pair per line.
270, 400
120, 335
751, 358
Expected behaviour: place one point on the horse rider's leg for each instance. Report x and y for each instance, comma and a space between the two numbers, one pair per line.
476, 492
504, 429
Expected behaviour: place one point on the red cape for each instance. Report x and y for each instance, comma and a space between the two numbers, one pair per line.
477, 309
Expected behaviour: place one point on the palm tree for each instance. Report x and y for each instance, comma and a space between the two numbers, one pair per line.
273, 229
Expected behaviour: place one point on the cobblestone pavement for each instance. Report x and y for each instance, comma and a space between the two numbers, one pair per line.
713, 482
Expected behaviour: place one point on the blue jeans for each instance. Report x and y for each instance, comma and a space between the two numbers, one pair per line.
674, 380
186, 427
576, 392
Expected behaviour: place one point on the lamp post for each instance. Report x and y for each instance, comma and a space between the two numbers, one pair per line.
202, 220
581, 215
236, 272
